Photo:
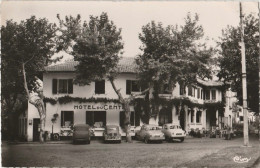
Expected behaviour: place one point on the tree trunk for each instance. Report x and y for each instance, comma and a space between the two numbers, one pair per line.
127, 121
126, 108
39, 104
41, 129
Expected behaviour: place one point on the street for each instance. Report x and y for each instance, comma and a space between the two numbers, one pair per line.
193, 152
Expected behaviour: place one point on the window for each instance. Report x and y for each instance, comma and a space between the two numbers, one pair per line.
189, 91
165, 89
67, 118
135, 87
193, 92
96, 118
182, 90
213, 94
62, 86
100, 87
207, 94
132, 86
198, 93
25, 126
202, 94
241, 118
198, 117
192, 116
134, 119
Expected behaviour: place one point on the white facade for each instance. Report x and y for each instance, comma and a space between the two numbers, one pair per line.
195, 118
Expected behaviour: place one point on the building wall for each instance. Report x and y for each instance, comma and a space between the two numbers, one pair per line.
32, 113
86, 91
112, 115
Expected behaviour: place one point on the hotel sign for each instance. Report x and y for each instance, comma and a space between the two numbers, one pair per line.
98, 107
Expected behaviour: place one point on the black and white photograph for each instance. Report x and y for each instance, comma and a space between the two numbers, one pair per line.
130, 84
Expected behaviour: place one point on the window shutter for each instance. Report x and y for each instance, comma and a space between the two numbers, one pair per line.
54, 86
70, 86
103, 87
122, 118
128, 87
72, 117
62, 118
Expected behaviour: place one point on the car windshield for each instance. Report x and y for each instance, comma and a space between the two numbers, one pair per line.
175, 127
154, 128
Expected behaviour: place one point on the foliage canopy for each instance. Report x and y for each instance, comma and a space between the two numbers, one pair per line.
230, 59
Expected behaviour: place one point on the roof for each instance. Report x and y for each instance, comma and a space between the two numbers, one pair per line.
209, 82
68, 66
126, 65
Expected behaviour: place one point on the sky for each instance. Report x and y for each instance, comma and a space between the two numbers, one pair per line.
132, 15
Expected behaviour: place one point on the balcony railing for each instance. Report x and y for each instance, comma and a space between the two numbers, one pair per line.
210, 101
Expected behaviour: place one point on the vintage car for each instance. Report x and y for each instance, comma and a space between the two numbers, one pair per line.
149, 133
173, 131
81, 132
111, 134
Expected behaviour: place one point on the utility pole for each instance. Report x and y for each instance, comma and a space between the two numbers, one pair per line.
259, 70
244, 85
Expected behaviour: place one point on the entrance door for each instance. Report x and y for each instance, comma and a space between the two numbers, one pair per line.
182, 119
36, 129
210, 118
165, 116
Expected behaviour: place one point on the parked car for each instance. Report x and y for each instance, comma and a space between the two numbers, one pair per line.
112, 134
81, 132
149, 133
173, 131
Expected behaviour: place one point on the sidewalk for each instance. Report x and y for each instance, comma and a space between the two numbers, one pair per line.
33, 142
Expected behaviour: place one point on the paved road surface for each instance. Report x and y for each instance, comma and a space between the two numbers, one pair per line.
133, 154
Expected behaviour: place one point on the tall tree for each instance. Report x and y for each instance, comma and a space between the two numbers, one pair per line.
96, 45
173, 54
11, 85
230, 59
26, 48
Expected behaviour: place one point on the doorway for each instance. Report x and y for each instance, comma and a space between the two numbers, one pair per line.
182, 119
165, 116
36, 129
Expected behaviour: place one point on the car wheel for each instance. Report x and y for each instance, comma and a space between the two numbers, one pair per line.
182, 139
169, 139
146, 140
119, 141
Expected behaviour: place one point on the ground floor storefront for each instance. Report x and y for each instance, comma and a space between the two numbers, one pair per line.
61, 117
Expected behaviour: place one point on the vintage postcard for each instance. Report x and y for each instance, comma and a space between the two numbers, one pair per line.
130, 83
